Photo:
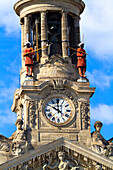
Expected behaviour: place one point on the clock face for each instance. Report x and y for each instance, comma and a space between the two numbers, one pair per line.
58, 110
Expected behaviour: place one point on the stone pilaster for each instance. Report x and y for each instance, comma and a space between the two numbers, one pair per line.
44, 36
65, 37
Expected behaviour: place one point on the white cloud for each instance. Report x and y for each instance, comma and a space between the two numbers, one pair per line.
7, 91
103, 113
97, 27
6, 100
100, 79
7, 117
8, 17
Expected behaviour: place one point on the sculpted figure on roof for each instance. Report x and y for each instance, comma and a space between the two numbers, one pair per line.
99, 144
18, 138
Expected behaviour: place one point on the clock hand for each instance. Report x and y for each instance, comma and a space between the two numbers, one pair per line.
62, 103
56, 109
57, 103
61, 107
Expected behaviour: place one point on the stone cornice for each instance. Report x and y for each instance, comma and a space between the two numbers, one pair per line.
22, 5
57, 145
31, 86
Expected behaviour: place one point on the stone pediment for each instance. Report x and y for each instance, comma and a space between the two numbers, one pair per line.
48, 157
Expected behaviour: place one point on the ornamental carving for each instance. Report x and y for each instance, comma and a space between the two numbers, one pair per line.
59, 83
85, 115
61, 163
98, 167
32, 113
60, 158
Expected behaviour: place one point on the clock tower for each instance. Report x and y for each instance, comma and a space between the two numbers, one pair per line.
52, 103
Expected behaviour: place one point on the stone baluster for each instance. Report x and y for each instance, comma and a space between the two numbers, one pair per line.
65, 37
44, 36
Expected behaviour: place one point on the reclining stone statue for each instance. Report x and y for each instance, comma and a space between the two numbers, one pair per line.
98, 143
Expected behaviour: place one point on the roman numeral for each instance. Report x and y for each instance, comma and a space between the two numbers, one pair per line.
63, 118
47, 110
49, 115
67, 105
53, 119
58, 120
68, 110
57, 100
52, 101
67, 115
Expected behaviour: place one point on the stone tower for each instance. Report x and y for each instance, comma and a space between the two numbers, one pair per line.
52, 104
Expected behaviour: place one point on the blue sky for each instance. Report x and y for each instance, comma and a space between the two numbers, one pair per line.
97, 28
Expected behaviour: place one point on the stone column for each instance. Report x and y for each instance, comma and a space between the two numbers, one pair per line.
76, 31
26, 29
65, 37
37, 33
44, 36
22, 42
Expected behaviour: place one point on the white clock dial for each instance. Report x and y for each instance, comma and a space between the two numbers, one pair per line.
58, 110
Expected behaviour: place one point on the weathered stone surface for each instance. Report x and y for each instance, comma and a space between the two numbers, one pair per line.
49, 155
35, 96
